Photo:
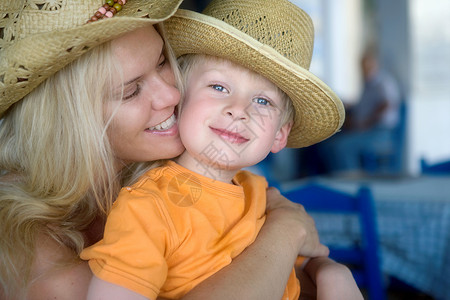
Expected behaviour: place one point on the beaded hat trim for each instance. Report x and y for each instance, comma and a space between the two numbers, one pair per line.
40, 37
108, 10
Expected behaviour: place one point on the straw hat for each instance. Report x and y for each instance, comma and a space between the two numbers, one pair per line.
274, 38
39, 37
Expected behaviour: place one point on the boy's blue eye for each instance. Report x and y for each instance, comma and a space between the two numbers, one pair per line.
261, 101
218, 88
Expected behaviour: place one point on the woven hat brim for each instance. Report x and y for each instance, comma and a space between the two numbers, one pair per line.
319, 113
47, 53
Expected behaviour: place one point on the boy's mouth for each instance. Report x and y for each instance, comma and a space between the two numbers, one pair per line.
229, 136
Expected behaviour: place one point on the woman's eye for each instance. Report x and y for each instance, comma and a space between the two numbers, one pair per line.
261, 101
219, 88
162, 62
133, 94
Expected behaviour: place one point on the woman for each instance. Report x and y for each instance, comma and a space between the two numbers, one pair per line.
81, 106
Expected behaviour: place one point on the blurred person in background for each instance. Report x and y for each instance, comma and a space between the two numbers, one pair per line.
369, 123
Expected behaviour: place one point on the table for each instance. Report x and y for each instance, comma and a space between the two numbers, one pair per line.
413, 216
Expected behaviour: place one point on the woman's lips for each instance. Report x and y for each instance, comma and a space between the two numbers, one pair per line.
232, 137
168, 123
166, 128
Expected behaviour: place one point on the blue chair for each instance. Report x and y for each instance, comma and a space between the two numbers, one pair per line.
441, 168
265, 168
389, 161
363, 258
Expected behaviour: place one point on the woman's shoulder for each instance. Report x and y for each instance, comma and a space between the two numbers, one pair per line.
57, 273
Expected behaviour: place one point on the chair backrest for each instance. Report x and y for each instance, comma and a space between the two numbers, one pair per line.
400, 137
441, 168
390, 161
364, 257
265, 168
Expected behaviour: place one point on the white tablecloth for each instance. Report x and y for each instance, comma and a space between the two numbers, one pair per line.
413, 216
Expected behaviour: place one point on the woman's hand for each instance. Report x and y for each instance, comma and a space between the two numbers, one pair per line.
295, 225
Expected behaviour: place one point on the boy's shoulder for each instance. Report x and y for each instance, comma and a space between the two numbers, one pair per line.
244, 177
160, 178
150, 177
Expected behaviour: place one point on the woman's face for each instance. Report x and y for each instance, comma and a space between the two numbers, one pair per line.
144, 126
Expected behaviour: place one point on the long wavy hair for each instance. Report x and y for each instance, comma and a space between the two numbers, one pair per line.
57, 171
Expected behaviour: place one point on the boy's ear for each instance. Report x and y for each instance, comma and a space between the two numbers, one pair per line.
281, 137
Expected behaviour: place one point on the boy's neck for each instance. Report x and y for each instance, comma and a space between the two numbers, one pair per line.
206, 168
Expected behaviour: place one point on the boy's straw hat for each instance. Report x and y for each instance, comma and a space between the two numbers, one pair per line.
39, 37
274, 38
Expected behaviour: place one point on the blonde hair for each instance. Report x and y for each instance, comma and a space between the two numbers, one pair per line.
57, 169
189, 61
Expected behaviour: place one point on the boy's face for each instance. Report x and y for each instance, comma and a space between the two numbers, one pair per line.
230, 116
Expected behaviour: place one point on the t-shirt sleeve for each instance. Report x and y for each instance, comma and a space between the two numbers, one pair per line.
136, 242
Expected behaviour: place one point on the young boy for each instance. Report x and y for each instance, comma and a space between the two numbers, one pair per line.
184, 221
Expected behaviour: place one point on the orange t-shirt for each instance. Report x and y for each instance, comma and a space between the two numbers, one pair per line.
174, 228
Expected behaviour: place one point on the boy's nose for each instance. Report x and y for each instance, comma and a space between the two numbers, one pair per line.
237, 112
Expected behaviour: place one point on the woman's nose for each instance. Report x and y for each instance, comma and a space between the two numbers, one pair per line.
165, 94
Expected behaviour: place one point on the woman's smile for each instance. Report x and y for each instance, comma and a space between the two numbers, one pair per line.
165, 125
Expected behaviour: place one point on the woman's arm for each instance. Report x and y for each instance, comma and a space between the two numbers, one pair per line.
262, 270
296, 223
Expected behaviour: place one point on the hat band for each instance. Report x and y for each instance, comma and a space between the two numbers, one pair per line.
108, 10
